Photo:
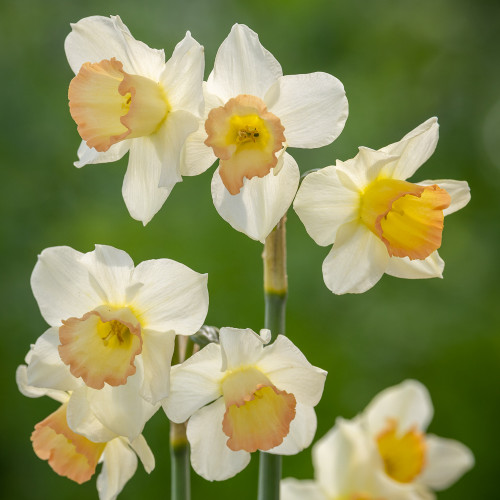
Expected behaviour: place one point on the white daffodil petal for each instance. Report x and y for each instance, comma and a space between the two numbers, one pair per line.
355, 174
341, 458
409, 403
119, 465
194, 384
88, 155
446, 461
384, 486
174, 297
261, 202
210, 456
239, 347
356, 262
60, 284
154, 165
111, 270
289, 370
141, 190
157, 350
413, 150
302, 430
333, 460
313, 108
293, 489
96, 38
120, 408
323, 204
169, 142
183, 76
82, 421
458, 190
196, 155
45, 367
403, 267
35, 392
242, 66
140, 446
417, 492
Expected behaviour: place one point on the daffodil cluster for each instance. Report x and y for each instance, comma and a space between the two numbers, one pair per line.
106, 356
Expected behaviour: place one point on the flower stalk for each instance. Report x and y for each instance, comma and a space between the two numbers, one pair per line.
275, 279
180, 469
275, 294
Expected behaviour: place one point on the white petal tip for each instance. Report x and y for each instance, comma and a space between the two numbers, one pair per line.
265, 335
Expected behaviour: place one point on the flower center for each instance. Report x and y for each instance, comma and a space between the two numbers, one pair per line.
403, 454
407, 217
110, 105
247, 132
101, 346
258, 415
68, 453
113, 333
245, 136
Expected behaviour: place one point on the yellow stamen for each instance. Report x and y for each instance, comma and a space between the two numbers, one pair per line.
403, 454
114, 334
248, 131
407, 217
247, 134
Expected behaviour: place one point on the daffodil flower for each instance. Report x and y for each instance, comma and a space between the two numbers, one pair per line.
112, 333
396, 421
344, 470
252, 114
380, 223
74, 456
125, 98
384, 453
241, 396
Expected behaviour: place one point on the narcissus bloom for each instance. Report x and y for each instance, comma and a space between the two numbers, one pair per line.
380, 223
112, 332
124, 97
396, 421
74, 456
344, 470
252, 114
241, 396
384, 453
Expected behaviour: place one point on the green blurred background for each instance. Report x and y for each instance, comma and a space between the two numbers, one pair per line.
401, 61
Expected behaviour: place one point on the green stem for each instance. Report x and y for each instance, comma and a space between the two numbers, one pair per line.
180, 467
275, 314
275, 293
269, 476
